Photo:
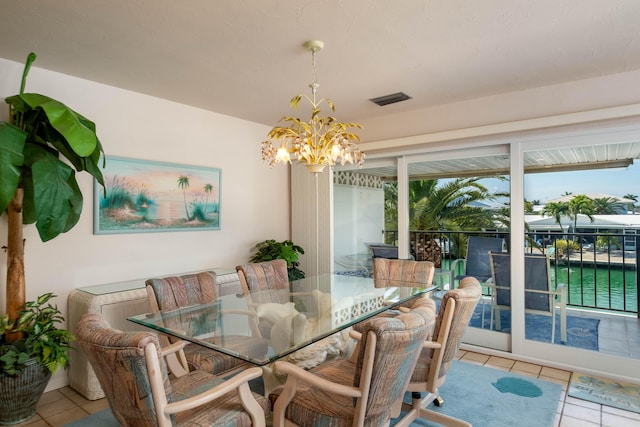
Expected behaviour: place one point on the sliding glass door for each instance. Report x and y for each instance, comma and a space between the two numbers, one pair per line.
458, 212
582, 222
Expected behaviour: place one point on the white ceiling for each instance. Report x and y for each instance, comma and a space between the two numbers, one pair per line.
245, 58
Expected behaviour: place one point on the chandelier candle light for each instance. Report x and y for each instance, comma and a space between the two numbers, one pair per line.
319, 142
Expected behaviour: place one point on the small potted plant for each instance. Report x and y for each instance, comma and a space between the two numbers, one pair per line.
42, 145
269, 250
43, 349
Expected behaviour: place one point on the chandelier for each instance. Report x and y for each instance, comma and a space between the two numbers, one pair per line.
318, 142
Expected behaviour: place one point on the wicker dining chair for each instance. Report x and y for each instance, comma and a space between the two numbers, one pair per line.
456, 309
402, 273
364, 390
131, 370
170, 293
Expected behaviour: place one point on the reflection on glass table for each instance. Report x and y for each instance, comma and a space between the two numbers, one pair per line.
317, 307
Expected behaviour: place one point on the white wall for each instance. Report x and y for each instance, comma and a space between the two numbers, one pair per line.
255, 199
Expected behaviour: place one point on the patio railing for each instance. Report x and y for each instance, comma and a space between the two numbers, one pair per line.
598, 269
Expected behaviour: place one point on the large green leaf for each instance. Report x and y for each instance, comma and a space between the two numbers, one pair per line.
80, 137
28, 207
12, 140
53, 192
91, 163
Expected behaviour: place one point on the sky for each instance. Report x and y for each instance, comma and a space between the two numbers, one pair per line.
548, 186
614, 182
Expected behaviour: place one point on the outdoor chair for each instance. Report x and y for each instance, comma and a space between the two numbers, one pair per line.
539, 298
366, 389
131, 370
381, 250
170, 293
476, 263
456, 309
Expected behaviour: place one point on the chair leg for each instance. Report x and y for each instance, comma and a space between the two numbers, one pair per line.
418, 409
445, 420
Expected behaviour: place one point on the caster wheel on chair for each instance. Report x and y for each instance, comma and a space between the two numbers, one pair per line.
438, 401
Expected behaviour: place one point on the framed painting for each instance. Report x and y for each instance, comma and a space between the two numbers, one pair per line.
144, 196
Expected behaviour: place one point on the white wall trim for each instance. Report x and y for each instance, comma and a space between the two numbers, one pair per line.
490, 133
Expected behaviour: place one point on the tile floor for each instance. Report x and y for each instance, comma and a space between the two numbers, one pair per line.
59, 407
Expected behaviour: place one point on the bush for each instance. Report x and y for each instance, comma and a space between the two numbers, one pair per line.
566, 246
603, 243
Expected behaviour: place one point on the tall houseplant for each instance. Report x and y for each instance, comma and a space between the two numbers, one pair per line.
41, 147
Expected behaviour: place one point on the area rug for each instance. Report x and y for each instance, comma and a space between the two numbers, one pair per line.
487, 397
582, 332
605, 391
103, 418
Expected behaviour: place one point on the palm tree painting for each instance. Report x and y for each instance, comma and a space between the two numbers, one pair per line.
144, 196
183, 183
208, 189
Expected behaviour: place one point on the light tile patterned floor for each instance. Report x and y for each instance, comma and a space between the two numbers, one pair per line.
59, 407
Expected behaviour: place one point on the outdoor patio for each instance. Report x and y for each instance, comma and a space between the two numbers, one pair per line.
609, 333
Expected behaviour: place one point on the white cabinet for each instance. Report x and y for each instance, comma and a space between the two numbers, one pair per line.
115, 302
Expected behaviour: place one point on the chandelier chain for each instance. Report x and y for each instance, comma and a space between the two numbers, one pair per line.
314, 74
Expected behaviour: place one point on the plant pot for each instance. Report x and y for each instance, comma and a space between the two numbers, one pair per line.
19, 394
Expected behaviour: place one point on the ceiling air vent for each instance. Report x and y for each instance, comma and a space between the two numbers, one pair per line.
390, 99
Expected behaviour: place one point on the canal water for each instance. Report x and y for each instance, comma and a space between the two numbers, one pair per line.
597, 286
594, 286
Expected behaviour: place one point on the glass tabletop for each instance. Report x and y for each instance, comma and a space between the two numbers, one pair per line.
268, 325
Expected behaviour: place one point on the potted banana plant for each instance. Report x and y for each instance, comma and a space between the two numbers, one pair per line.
42, 145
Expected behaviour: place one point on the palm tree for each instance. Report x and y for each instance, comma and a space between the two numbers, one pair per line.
580, 205
449, 206
528, 206
183, 183
390, 206
606, 206
208, 188
556, 210
435, 206
632, 197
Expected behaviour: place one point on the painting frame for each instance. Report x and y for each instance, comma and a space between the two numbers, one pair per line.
145, 196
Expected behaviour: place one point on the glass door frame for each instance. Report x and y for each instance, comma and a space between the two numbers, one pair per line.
477, 336
579, 129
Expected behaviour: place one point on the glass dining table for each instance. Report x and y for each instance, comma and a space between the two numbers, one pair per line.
311, 309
